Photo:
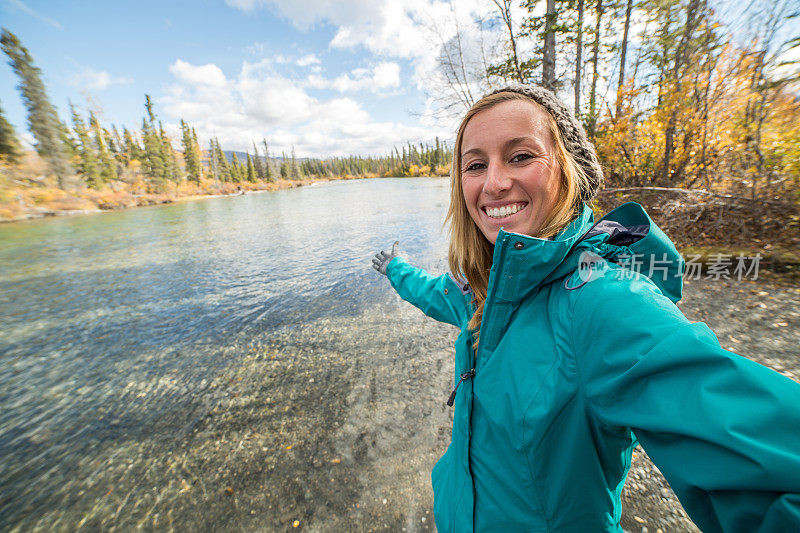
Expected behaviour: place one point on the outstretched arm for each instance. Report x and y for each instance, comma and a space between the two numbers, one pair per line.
724, 430
441, 298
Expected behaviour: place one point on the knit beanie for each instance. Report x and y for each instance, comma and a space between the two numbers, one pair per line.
572, 133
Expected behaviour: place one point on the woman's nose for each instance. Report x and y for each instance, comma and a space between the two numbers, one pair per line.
497, 179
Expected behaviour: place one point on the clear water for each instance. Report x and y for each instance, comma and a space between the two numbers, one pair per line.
113, 325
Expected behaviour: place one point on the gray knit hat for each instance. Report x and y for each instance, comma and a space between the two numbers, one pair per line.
571, 131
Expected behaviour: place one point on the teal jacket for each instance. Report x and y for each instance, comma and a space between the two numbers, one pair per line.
578, 363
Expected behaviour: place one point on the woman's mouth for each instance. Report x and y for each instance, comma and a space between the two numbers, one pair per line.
504, 211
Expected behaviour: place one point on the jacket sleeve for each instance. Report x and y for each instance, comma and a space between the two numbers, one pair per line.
724, 430
438, 297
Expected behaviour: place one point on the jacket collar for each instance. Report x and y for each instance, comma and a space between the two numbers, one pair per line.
524, 263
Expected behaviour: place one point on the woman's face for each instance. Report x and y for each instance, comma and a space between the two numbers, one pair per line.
509, 172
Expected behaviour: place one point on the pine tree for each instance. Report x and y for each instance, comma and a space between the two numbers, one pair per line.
236, 169
48, 130
88, 164
191, 157
258, 164
212, 159
225, 172
251, 170
268, 172
131, 147
294, 170
154, 158
108, 168
10, 149
169, 154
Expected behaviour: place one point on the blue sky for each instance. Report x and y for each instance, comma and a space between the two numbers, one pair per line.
327, 77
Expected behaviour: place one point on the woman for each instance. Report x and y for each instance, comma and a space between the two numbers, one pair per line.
567, 359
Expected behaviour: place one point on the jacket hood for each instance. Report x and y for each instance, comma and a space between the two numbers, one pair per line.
626, 236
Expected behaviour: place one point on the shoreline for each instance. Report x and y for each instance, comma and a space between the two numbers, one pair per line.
146, 200
129, 201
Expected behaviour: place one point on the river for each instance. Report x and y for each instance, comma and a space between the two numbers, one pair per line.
228, 363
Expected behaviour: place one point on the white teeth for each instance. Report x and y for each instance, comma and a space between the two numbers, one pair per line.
502, 212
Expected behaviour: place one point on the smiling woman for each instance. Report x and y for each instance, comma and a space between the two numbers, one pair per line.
568, 357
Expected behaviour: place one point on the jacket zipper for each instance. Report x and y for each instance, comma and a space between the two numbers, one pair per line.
488, 308
464, 375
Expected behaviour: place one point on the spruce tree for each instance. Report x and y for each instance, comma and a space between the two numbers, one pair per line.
199, 154
251, 170
10, 149
88, 165
169, 154
154, 158
268, 172
154, 164
108, 168
294, 170
191, 157
212, 159
258, 164
236, 169
48, 130
225, 174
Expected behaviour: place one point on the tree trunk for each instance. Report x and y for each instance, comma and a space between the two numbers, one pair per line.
595, 75
505, 13
623, 53
680, 61
578, 59
549, 52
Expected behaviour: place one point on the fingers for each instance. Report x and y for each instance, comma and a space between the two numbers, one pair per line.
394, 247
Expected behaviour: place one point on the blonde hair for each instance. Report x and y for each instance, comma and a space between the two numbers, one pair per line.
470, 253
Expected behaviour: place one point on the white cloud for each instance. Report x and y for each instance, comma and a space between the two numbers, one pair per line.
260, 103
378, 78
385, 75
198, 75
95, 80
307, 60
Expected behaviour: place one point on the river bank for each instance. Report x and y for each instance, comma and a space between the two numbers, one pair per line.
32, 201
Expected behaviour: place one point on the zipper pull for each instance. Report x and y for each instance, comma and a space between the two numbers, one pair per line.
464, 375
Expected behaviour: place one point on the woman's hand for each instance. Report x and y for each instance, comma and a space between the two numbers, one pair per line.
382, 259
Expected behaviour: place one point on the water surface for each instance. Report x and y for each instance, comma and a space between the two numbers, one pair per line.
116, 327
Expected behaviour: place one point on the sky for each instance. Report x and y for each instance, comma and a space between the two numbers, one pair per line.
329, 77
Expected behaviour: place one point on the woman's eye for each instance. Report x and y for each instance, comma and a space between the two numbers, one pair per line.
520, 157
474, 166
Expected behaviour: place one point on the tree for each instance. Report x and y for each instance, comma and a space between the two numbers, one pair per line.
88, 165
579, 58
169, 154
258, 164
155, 163
108, 168
10, 149
251, 170
269, 174
294, 170
191, 154
623, 53
549, 50
504, 7
592, 119
48, 130
236, 169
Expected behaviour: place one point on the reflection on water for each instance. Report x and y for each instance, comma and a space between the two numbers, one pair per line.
116, 326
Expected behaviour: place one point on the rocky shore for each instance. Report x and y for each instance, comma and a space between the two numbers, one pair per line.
334, 425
